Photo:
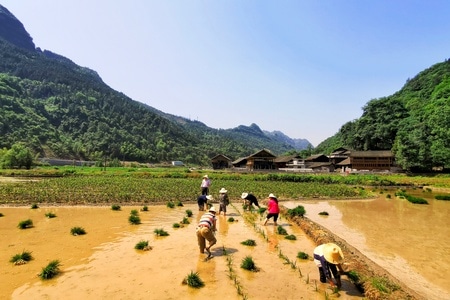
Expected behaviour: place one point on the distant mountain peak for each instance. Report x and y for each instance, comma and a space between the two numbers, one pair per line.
13, 31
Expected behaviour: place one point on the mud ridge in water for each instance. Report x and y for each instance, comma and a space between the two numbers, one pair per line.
358, 262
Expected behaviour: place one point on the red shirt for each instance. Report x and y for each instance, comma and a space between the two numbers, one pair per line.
273, 207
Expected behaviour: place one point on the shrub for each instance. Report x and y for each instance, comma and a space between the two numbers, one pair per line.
142, 245
21, 258
25, 224
249, 243
170, 204
299, 211
230, 219
188, 213
1, 215
145, 208
50, 215
134, 219
51, 270
34, 206
179, 203
442, 197
77, 231
160, 232
249, 264
193, 280
323, 213
134, 212
176, 225
302, 255
115, 207
185, 221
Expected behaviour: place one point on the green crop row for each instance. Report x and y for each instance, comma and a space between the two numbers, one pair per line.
106, 189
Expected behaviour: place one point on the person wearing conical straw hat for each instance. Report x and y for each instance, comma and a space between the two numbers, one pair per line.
206, 183
202, 201
249, 200
273, 209
328, 258
205, 231
223, 201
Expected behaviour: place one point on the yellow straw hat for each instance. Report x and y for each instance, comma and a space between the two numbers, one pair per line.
333, 253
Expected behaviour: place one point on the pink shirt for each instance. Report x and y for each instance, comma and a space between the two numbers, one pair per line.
273, 207
205, 183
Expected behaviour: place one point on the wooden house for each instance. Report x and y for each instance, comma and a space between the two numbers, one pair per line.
319, 163
220, 161
261, 160
372, 160
339, 155
289, 162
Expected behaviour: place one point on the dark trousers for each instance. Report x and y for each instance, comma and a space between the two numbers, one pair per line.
332, 269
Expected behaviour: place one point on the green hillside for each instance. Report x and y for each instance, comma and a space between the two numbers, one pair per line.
414, 123
61, 110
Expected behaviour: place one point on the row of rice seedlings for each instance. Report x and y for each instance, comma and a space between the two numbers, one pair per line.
232, 274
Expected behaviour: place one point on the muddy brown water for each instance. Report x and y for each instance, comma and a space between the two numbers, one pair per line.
410, 241
103, 264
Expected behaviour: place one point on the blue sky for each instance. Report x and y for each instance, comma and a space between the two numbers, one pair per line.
302, 67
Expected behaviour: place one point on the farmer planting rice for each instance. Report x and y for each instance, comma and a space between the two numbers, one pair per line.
205, 231
328, 258
249, 200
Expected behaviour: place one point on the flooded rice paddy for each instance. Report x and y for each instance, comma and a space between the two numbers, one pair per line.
410, 241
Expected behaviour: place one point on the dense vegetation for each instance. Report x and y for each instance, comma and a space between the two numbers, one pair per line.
115, 186
58, 109
61, 110
414, 123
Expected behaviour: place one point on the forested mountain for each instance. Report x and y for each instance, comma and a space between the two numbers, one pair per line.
414, 122
59, 109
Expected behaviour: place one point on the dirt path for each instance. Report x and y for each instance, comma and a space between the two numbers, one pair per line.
103, 264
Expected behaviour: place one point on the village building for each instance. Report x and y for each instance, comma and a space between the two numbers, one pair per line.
221, 161
319, 163
261, 160
342, 159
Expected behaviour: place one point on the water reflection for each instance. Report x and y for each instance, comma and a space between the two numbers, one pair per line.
411, 241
